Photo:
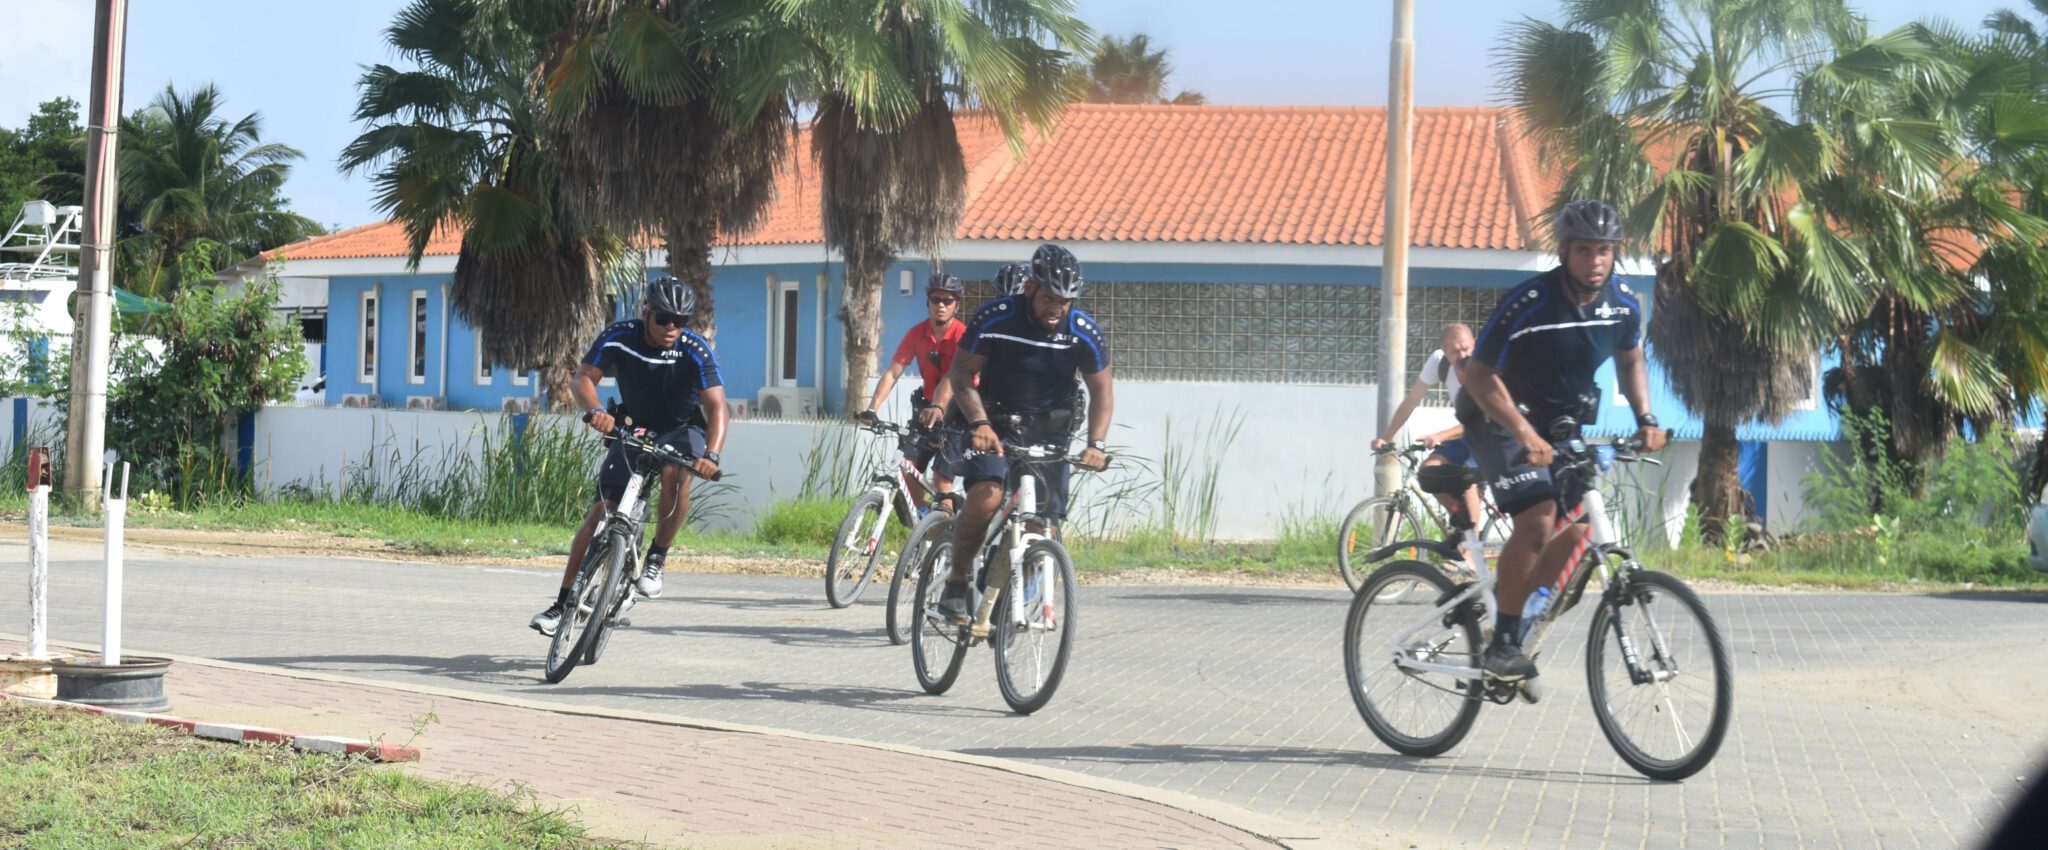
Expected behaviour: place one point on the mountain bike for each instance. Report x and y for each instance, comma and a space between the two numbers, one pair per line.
603, 590
1661, 680
1402, 514
902, 608
857, 548
1026, 615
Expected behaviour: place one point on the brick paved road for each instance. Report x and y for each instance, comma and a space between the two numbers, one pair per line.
1861, 720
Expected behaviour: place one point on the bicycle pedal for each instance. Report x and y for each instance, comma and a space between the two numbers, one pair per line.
622, 622
1529, 693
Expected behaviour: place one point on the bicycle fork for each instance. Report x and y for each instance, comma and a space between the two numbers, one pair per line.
1004, 572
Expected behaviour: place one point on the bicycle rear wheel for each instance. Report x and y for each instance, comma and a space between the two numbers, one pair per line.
1667, 710
1416, 713
902, 611
1375, 522
937, 648
621, 596
852, 560
1031, 654
565, 651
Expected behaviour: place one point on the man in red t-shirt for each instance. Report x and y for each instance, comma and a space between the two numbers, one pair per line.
930, 345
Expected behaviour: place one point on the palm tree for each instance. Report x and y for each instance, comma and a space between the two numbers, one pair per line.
1128, 70
459, 142
892, 171
200, 191
1667, 109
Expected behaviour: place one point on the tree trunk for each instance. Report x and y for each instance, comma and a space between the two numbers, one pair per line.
689, 259
1717, 487
861, 316
555, 380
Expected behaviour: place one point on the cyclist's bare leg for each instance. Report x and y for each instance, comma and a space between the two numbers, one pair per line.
982, 500
1518, 559
1556, 554
581, 543
675, 505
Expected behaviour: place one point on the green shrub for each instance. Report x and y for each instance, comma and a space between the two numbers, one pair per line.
810, 521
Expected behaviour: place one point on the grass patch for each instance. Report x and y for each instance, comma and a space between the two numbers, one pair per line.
808, 524
70, 780
1859, 560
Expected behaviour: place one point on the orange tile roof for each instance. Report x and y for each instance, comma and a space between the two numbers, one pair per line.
1216, 174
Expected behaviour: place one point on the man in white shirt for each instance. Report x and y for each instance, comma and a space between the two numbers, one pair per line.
1449, 445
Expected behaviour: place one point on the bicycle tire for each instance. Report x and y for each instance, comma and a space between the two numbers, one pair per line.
1055, 602
901, 610
1638, 590
563, 648
619, 571
842, 586
1394, 521
1374, 695
930, 639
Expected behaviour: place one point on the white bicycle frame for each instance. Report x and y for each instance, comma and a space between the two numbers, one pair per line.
1593, 506
1024, 503
901, 473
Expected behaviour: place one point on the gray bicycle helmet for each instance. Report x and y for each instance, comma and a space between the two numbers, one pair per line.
942, 282
1010, 278
1587, 219
1056, 269
670, 296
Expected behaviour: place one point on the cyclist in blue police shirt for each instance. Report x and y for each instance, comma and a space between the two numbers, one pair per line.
669, 385
1539, 352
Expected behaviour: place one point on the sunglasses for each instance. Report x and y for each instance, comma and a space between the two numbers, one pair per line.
669, 320
942, 299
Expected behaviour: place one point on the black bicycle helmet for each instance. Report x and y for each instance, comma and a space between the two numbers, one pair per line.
1010, 278
1056, 269
1587, 219
670, 296
942, 282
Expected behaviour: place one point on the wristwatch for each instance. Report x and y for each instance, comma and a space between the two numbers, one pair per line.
1646, 420
711, 456
1098, 445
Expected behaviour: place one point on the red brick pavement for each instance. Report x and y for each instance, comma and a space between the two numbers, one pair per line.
682, 786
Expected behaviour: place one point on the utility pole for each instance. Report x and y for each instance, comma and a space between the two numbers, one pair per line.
86, 435
1395, 235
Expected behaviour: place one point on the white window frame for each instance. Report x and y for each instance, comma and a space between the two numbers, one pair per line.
416, 338
522, 378
366, 337
483, 375
782, 361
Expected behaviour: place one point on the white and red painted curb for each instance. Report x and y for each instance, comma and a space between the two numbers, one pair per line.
236, 733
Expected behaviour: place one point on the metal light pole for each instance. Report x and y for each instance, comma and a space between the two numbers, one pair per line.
1394, 239
85, 438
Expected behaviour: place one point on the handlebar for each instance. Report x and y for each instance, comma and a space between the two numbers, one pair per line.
635, 439
1410, 449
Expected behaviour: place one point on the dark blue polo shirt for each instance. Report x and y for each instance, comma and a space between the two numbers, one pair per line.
1547, 347
1030, 368
660, 389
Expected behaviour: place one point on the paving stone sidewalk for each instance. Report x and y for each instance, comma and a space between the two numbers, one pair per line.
680, 786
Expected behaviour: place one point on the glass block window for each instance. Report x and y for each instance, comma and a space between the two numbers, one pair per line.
1261, 333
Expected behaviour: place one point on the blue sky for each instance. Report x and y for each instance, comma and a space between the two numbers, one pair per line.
297, 62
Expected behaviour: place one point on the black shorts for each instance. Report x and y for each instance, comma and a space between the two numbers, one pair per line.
1517, 485
612, 477
973, 469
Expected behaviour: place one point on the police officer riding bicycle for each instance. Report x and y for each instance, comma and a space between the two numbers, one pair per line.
669, 385
1025, 350
1539, 353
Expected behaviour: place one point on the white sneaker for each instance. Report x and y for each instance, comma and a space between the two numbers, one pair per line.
649, 582
546, 622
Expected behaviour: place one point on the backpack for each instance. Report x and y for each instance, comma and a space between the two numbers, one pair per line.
1443, 367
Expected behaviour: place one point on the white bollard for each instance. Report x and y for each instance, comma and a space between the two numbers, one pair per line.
38, 572
117, 513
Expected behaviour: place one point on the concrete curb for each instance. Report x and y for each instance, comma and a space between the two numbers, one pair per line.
1280, 832
238, 734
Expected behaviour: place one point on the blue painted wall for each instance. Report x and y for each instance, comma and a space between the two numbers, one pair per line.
745, 303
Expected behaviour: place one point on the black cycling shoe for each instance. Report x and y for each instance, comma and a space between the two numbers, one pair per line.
953, 602
1505, 662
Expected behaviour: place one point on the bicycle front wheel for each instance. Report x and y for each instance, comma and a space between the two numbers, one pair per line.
1662, 685
565, 651
1032, 644
1375, 522
857, 548
1416, 712
902, 611
937, 648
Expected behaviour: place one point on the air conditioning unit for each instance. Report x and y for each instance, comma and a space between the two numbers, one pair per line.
738, 408
787, 403
358, 400
520, 404
422, 402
